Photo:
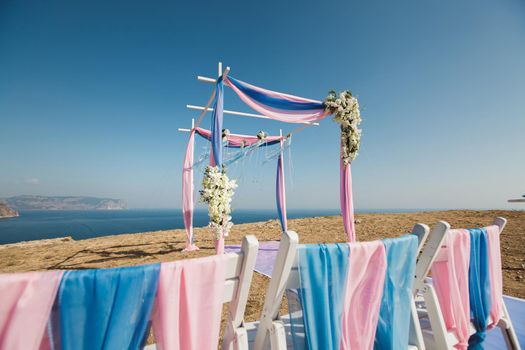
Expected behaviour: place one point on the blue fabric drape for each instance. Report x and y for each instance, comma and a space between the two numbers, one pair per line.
106, 308
394, 317
479, 286
323, 272
279, 194
273, 101
216, 123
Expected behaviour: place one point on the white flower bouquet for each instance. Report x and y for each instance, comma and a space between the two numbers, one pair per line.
217, 191
345, 108
225, 134
261, 135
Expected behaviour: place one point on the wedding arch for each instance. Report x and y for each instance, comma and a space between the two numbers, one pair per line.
218, 188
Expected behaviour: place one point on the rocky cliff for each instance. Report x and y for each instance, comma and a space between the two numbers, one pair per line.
6, 211
64, 203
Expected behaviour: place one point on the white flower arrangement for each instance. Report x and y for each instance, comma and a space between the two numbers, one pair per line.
261, 135
217, 191
225, 134
345, 108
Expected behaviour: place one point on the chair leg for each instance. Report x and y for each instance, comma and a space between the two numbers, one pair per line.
507, 329
240, 340
415, 335
278, 336
437, 323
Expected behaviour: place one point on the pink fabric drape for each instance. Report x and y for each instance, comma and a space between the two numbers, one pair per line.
364, 290
495, 273
450, 279
237, 140
219, 243
26, 300
294, 116
187, 313
187, 193
347, 202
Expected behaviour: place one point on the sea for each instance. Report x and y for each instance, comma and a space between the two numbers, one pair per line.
80, 224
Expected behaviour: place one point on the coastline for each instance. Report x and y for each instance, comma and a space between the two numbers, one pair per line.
12, 213
9, 216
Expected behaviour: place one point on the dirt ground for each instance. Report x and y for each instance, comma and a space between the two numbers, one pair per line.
151, 247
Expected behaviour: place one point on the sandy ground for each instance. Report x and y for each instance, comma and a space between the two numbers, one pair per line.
151, 247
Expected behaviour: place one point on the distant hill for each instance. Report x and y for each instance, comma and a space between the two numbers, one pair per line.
64, 203
6, 211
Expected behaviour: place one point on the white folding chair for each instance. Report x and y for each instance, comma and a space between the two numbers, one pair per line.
435, 333
239, 272
274, 331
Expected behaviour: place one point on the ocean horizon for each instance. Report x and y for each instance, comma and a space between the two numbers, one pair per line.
85, 224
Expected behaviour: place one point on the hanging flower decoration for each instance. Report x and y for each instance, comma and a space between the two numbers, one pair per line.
345, 108
261, 135
217, 192
225, 133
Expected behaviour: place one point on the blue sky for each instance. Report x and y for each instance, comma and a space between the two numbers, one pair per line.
92, 94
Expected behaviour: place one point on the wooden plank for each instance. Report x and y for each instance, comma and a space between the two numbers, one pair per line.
241, 114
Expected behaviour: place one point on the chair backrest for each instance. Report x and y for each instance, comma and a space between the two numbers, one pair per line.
114, 305
440, 314
421, 231
238, 272
429, 253
433, 247
286, 277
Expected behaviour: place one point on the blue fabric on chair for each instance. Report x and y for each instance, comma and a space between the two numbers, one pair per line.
394, 317
106, 308
479, 286
323, 272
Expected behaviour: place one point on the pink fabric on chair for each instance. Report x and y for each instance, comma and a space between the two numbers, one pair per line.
450, 280
189, 302
364, 290
26, 300
187, 193
495, 273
